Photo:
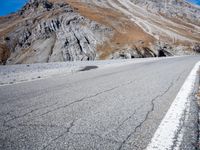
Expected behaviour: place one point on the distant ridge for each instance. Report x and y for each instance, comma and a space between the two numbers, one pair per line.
71, 30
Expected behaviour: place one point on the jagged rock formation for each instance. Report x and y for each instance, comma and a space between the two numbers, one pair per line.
54, 33
196, 48
70, 30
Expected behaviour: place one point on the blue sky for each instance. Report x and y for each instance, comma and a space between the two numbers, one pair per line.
8, 6
195, 1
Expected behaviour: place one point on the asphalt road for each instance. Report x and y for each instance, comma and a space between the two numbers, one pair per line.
110, 108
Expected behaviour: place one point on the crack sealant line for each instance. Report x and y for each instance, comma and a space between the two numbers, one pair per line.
64, 106
149, 111
59, 136
167, 131
146, 117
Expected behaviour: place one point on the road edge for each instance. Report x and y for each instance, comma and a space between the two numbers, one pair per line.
49, 73
169, 134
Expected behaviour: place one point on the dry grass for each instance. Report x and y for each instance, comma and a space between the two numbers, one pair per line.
4, 53
126, 34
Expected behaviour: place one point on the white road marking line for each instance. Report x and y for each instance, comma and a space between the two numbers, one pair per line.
169, 129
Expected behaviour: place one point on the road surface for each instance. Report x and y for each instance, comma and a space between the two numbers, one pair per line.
106, 109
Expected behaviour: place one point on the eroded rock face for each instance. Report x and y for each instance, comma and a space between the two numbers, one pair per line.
128, 53
164, 49
34, 7
58, 35
68, 30
196, 48
172, 9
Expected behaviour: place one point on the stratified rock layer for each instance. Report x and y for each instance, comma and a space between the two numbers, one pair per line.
54, 33
71, 30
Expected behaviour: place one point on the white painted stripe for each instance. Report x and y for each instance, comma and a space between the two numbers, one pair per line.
167, 131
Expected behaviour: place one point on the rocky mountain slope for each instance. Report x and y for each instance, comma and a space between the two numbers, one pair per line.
71, 30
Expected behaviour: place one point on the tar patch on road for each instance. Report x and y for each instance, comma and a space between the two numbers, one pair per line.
89, 68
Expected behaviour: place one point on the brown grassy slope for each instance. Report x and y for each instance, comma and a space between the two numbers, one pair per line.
126, 33
4, 53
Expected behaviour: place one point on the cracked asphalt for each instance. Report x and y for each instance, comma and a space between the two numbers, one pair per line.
113, 108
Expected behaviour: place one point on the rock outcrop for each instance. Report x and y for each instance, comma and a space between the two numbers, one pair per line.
196, 48
54, 33
69, 30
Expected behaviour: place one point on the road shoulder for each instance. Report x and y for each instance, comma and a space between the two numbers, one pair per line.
179, 127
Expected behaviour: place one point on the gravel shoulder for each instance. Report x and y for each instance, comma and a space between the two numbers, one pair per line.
12, 74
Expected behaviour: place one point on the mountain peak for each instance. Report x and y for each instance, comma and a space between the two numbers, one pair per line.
69, 30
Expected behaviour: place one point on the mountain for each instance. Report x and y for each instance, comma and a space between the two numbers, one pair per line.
71, 30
